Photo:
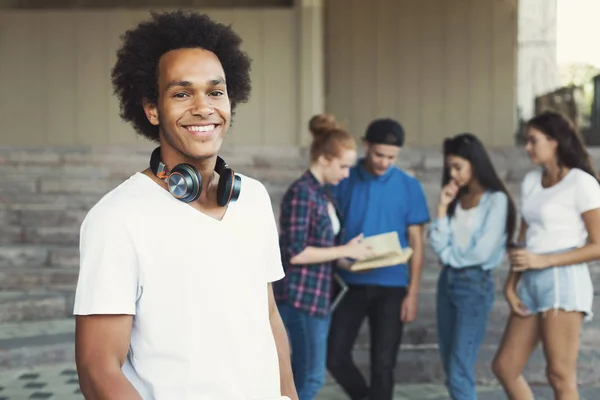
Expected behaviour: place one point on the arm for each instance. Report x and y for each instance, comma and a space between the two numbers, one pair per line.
317, 255
283, 349
105, 302
298, 207
514, 276
492, 235
415, 239
408, 311
101, 345
418, 216
440, 234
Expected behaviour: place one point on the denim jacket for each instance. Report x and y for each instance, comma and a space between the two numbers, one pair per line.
487, 244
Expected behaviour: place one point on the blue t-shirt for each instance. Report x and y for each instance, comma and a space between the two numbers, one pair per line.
378, 204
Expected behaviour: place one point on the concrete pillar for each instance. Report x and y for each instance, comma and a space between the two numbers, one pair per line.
311, 74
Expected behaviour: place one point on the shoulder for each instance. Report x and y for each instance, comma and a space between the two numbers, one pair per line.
116, 208
498, 199
353, 175
583, 178
301, 188
400, 176
399, 173
252, 186
253, 191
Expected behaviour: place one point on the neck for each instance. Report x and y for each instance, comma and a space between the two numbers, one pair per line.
368, 166
317, 172
206, 167
554, 172
474, 188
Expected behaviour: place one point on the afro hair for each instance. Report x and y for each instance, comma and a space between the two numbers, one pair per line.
135, 74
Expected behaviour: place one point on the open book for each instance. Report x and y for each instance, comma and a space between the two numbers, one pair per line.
388, 252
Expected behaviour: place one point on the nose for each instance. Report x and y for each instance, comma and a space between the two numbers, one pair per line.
202, 107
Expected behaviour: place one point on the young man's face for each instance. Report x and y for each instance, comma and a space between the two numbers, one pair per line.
380, 157
193, 110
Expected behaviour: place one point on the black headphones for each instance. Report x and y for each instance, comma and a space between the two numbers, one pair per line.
185, 183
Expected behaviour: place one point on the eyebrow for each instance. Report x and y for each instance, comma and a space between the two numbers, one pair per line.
211, 82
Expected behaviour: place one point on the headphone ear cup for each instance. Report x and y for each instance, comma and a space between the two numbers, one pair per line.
225, 186
185, 183
237, 187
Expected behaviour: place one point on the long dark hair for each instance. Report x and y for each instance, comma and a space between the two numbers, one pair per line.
469, 147
570, 152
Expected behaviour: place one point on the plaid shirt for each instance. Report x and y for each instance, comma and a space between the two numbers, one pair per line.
305, 221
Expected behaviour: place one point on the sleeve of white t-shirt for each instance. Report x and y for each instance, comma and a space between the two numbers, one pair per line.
108, 275
274, 267
587, 194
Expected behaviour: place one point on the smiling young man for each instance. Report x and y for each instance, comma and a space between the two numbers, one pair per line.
158, 314
377, 198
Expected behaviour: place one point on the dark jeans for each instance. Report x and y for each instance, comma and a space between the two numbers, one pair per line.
381, 305
464, 301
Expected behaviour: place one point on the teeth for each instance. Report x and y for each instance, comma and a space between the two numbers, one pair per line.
204, 128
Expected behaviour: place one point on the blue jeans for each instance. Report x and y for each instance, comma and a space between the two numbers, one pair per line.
308, 342
464, 301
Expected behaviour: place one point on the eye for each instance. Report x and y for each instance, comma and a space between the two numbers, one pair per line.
180, 95
217, 93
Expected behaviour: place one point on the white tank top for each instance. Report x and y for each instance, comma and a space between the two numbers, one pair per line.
335, 222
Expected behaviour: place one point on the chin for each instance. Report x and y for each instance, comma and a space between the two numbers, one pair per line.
205, 149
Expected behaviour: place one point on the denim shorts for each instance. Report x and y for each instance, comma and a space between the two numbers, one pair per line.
567, 288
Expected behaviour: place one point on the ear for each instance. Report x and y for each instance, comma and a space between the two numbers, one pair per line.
323, 161
365, 146
151, 112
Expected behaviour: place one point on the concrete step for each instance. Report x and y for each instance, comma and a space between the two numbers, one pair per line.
38, 278
26, 344
422, 364
423, 331
35, 256
57, 235
35, 305
51, 341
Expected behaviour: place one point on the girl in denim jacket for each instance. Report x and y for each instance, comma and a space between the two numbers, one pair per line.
475, 219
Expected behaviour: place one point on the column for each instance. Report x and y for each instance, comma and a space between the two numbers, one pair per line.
311, 73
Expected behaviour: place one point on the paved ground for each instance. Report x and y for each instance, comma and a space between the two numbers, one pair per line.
60, 383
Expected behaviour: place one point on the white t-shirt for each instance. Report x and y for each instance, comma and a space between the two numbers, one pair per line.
197, 288
553, 214
464, 223
335, 221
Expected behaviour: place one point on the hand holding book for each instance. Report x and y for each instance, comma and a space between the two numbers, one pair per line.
386, 251
357, 249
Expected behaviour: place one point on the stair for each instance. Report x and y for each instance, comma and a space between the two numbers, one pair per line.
42, 342
46, 193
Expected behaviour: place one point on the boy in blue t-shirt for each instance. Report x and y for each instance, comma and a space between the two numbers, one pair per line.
377, 198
